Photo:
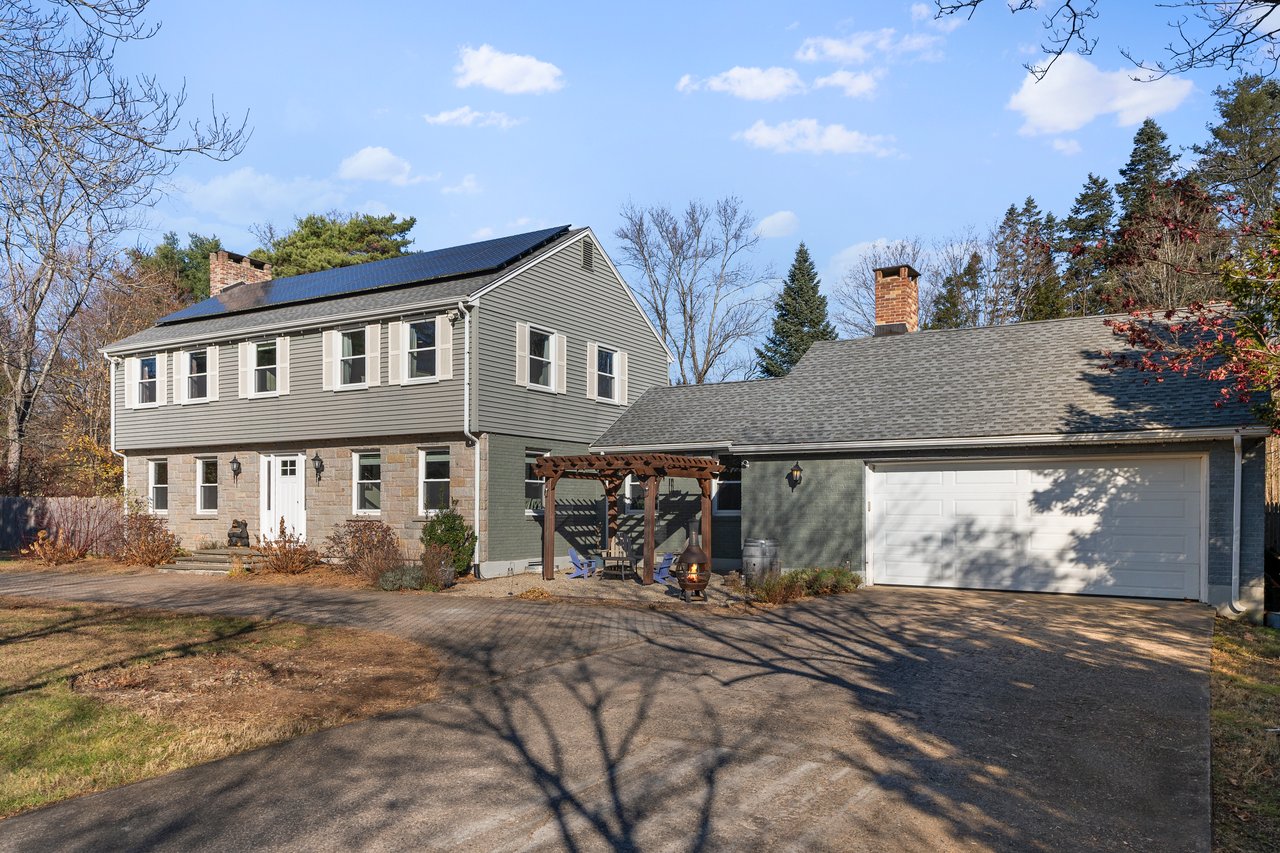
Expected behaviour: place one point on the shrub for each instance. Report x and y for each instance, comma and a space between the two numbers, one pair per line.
92, 526
438, 567
147, 539
792, 586
363, 547
448, 528
286, 554
407, 576
53, 550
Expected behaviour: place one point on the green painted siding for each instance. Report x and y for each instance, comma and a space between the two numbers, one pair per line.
819, 523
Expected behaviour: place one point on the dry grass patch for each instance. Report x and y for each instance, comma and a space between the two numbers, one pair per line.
1245, 689
88, 566
93, 696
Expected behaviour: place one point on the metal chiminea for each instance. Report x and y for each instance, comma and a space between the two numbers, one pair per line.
694, 572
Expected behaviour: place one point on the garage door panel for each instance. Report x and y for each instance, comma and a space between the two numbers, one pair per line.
1127, 527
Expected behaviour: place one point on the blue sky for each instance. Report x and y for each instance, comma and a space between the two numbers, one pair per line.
837, 123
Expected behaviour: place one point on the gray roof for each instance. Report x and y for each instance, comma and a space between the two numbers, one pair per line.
1027, 379
382, 299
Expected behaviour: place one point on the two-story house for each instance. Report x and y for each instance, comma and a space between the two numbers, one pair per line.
385, 390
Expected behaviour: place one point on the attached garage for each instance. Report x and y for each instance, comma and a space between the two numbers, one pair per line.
1127, 527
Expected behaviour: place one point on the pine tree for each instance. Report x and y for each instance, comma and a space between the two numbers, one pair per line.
953, 305
800, 319
1042, 297
324, 241
1150, 167
1086, 233
1240, 164
185, 268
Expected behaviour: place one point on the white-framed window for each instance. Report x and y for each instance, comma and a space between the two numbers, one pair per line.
606, 374
158, 486
433, 479
197, 372
632, 495
264, 368
542, 362
366, 482
535, 487
265, 372
726, 492
420, 351
353, 362
148, 380
207, 485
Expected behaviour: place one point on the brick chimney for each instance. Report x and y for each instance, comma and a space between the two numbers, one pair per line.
897, 300
228, 268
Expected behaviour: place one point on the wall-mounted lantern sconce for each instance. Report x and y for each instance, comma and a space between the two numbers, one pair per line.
318, 464
236, 468
794, 476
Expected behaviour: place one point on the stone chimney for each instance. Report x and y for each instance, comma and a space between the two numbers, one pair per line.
897, 300
228, 268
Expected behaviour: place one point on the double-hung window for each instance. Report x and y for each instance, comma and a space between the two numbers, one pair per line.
158, 485
541, 359
433, 468
207, 485
421, 350
534, 486
727, 492
148, 381
353, 368
367, 483
265, 375
606, 374
197, 375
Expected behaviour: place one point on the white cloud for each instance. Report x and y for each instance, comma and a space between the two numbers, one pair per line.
807, 135
751, 84
511, 73
1069, 147
467, 186
246, 195
779, 224
859, 47
1075, 93
467, 117
375, 163
929, 15
859, 84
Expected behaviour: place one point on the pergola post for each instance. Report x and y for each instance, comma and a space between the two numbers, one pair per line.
650, 522
611, 489
705, 484
549, 530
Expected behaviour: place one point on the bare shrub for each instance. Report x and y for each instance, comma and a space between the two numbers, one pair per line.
365, 548
93, 526
286, 554
53, 550
438, 566
147, 539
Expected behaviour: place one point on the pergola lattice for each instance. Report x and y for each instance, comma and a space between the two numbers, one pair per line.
612, 470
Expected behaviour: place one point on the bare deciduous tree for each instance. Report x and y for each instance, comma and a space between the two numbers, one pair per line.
697, 281
855, 293
82, 150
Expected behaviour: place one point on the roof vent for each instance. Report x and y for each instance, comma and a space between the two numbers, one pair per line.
588, 255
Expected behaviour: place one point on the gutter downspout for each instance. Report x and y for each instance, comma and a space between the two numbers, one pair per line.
466, 426
112, 361
1235, 526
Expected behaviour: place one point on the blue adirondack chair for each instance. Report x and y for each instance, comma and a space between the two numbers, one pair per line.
581, 568
662, 573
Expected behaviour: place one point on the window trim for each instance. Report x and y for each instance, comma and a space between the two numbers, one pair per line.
423, 452
138, 380
614, 375
187, 375
252, 391
629, 508
531, 452
550, 387
715, 496
406, 357
152, 485
356, 481
200, 484
339, 359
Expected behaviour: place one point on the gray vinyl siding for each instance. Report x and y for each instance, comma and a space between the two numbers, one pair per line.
306, 413
558, 295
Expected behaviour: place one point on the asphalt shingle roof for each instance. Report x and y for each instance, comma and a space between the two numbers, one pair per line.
1044, 378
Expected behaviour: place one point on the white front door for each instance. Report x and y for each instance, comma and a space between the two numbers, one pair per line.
283, 494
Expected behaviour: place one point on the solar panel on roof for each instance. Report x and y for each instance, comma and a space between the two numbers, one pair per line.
470, 259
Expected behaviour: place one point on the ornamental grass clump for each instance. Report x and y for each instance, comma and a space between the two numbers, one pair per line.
55, 550
803, 583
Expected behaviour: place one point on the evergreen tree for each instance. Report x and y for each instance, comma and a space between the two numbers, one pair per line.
1086, 233
953, 305
800, 319
184, 268
1150, 166
324, 241
1041, 297
1240, 164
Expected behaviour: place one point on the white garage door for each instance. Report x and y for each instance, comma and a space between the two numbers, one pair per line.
1113, 527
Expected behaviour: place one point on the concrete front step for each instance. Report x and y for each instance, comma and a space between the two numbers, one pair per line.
175, 569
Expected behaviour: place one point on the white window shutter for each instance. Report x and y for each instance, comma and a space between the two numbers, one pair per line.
620, 367
593, 354
180, 367
396, 373
130, 382
246, 369
328, 350
373, 350
561, 362
444, 348
282, 365
522, 353
162, 378
213, 372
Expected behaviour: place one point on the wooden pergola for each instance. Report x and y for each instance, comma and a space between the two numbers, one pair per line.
612, 469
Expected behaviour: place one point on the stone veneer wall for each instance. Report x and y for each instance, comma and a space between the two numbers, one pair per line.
328, 502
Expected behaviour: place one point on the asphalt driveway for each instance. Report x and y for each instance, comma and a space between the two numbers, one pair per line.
891, 719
